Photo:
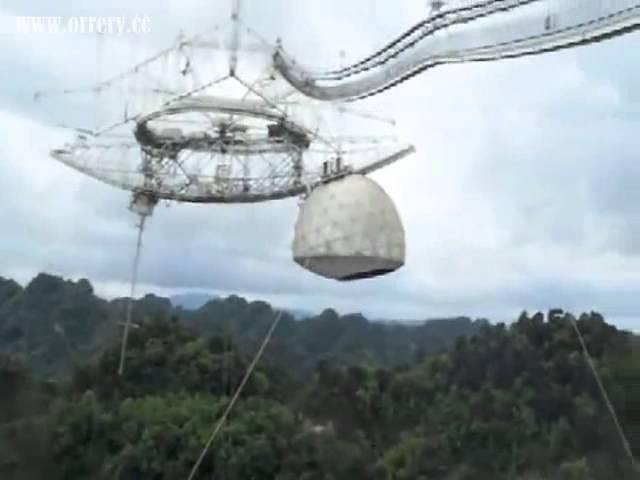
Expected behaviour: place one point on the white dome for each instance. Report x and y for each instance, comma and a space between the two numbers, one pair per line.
349, 229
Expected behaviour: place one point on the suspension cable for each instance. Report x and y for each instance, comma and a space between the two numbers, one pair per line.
130, 300
605, 396
236, 395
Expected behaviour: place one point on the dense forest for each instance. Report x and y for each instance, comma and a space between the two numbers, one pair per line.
54, 323
336, 397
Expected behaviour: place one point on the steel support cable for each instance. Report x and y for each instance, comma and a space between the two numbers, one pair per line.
235, 37
218, 427
603, 391
130, 300
180, 41
110, 81
236, 395
425, 28
533, 39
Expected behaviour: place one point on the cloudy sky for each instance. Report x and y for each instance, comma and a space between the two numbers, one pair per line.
523, 193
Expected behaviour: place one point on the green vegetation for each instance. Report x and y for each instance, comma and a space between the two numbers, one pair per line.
336, 397
53, 324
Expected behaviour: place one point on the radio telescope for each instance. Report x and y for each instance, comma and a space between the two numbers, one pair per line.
210, 120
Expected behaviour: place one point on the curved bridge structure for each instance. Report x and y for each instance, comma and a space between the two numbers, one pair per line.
483, 31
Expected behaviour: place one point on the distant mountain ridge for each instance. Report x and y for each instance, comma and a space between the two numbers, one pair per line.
54, 323
194, 301
191, 301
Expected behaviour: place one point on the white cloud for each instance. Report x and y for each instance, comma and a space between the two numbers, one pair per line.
521, 194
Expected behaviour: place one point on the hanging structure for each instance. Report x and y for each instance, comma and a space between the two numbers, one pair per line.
203, 122
349, 229
197, 123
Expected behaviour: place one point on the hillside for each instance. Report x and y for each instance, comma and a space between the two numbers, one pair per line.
515, 402
335, 396
53, 323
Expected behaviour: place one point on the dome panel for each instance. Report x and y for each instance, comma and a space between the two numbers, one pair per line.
349, 229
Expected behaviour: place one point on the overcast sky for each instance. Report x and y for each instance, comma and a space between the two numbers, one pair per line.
523, 193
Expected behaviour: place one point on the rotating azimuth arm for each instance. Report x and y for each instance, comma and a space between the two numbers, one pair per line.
535, 27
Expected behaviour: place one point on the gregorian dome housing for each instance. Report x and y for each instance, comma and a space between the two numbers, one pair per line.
349, 229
